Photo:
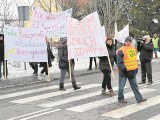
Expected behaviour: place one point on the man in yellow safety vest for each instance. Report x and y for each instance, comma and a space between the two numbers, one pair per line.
128, 67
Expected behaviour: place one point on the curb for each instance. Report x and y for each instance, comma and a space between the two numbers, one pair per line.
43, 81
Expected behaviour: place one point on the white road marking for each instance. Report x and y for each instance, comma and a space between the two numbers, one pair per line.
44, 113
71, 99
29, 114
99, 103
133, 108
48, 95
30, 91
157, 117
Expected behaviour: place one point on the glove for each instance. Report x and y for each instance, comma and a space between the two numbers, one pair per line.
125, 71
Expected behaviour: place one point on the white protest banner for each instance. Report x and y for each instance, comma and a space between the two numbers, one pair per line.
22, 44
103, 33
55, 24
85, 37
123, 34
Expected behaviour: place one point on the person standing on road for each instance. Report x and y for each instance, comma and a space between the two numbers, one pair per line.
90, 63
155, 40
64, 65
128, 67
105, 68
146, 54
50, 59
2, 57
34, 66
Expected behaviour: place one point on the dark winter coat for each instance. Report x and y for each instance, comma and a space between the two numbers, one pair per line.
103, 61
50, 58
63, 57
146, 51
1, 50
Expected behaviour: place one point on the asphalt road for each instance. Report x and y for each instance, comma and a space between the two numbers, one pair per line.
43, 101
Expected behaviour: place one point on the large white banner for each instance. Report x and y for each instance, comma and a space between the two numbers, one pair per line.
55, 24
121, 35
26, 45
103, 33
85, 38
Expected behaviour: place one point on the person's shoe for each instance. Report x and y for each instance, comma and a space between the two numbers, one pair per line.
75, 86
122, 101
89, 69
142, 82
149, 83
111, 93
36, 74
96, 67
143, 100
104, 92
61, 87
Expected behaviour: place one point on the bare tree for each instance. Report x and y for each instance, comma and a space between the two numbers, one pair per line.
109, 11
76, 8
9, 12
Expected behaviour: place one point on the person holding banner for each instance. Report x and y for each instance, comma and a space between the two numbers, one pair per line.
105, 68
90, 63
64, 65
128, 68
2, 60
50, 59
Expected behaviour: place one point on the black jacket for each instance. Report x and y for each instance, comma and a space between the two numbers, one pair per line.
146, 51
50, 58
63, 57
103, 61
1, 50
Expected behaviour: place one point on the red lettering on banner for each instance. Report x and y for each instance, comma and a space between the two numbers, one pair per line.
90, 19
71, 29
86, 51
86, 28
82, 27
37, 14
102, 51
93, 41
86, 41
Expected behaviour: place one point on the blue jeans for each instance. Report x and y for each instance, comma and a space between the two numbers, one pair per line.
134, 86
3, 69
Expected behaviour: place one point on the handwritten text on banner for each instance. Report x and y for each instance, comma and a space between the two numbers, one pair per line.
55, 24
22, 44
85, 38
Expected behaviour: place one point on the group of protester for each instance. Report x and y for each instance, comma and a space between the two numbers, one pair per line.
125, 58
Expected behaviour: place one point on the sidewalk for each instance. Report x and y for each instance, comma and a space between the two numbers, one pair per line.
27, 77
25, 80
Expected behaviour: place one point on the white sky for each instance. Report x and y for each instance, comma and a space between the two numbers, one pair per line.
12, 6
11, 12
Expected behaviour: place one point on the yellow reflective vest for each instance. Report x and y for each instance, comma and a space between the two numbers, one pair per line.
130, 57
